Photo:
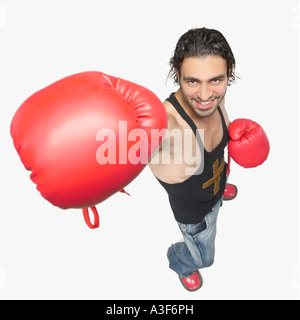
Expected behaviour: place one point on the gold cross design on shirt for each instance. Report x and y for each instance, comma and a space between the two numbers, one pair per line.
217, 170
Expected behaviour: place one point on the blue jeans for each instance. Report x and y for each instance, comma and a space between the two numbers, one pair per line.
198, 249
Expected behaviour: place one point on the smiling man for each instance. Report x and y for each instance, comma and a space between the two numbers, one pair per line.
203, 66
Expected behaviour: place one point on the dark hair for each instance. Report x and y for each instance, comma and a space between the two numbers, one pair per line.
202, 42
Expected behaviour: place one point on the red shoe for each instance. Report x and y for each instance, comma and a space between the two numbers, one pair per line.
230, 192
193, 282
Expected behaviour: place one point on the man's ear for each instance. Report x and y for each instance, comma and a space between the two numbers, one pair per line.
229, 75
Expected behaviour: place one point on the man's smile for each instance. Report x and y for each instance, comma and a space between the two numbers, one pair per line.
204, 105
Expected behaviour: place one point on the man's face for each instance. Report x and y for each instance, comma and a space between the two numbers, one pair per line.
203, 82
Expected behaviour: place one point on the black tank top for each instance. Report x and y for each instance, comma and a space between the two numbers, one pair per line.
192, 199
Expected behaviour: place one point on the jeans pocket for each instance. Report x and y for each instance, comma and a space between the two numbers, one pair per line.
199, 227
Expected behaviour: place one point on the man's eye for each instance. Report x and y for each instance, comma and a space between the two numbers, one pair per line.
215, 81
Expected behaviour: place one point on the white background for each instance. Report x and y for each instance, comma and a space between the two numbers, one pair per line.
48, 253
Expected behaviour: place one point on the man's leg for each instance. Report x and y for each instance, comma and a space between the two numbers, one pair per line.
198, 249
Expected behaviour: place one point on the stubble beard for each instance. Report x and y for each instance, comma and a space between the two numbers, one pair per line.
192, 104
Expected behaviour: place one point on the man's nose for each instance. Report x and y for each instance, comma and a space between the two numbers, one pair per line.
205, 93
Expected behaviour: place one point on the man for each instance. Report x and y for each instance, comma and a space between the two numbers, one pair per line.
203, 65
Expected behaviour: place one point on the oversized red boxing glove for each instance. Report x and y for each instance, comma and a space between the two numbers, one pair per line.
77, 135
248, 145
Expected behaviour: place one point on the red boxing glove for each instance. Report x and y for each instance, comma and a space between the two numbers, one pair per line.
248, 145
63, 133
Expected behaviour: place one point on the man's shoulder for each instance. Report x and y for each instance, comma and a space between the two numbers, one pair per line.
171, 112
